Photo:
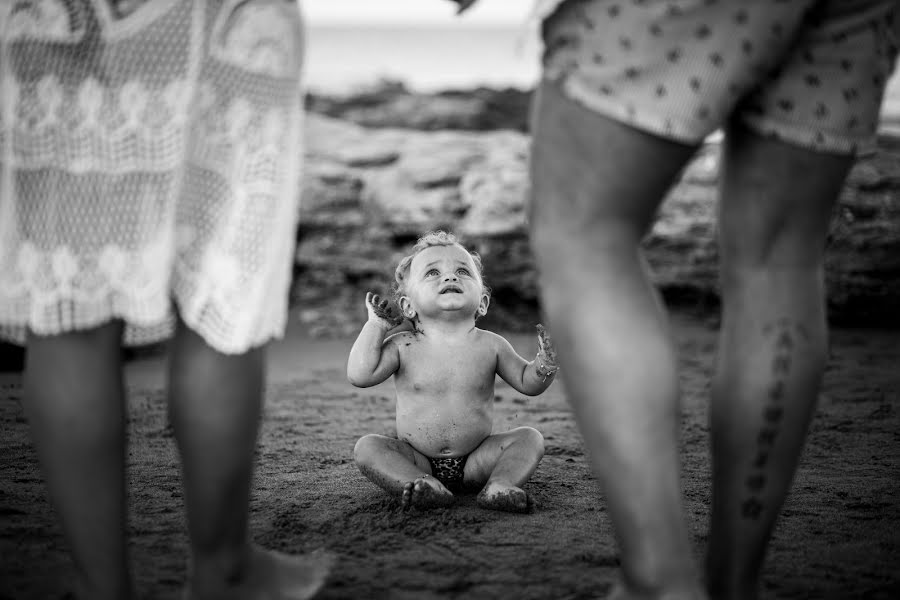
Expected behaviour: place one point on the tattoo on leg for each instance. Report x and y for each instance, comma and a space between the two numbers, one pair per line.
773, 414
776, 391
786, 335
760, 461
751, 508
756, 482
766, 437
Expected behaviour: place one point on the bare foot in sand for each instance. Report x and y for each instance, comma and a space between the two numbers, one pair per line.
509, 498
272, 576
425, 492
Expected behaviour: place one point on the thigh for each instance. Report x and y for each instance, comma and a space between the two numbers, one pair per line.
483, 459
590, 171
776, 200
381, 443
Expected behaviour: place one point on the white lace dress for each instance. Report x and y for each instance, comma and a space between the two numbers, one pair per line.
149, 159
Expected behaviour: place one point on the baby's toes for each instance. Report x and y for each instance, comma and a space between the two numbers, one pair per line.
430, 493
406, 498
421, 493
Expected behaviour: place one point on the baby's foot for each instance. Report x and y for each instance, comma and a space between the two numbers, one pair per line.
425, 492
499, 496
272, 576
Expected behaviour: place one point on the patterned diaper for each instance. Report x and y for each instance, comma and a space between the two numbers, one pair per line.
809, 72
449, 471
149, 153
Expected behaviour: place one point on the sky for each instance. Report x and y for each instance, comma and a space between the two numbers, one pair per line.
402, 12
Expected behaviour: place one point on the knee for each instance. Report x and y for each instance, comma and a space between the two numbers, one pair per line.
770, 250
531, 438
791, 265
366, 447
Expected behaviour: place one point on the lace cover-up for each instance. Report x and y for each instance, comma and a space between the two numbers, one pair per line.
150, 153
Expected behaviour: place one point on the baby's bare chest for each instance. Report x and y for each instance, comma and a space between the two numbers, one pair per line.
448, 370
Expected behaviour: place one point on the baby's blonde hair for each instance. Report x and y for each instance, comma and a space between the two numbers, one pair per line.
429, 240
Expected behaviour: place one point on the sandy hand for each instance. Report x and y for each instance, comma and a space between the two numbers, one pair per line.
382, 311
546, 351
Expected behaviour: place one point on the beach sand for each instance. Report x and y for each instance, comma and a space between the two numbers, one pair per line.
839, 536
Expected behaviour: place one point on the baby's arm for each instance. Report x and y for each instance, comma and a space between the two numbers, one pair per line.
529, 378
372, 359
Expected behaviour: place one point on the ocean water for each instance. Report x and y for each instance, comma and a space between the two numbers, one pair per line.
340, 59
426, 59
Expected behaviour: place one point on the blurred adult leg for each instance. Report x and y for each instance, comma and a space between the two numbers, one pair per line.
215, 404
776, 202
596, 185
215, 401
75, 404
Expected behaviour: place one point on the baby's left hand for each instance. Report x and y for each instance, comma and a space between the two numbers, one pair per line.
546, 352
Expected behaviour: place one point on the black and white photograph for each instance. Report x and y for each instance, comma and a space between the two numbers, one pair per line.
449, 299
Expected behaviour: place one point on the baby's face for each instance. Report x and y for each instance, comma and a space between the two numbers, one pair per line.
442, 279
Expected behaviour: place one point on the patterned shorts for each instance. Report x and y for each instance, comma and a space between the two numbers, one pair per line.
808, 72
449, 471
149, 159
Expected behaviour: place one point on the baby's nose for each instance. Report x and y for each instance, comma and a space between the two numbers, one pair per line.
450, 277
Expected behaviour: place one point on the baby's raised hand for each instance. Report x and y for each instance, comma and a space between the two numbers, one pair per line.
381, 311
546, 351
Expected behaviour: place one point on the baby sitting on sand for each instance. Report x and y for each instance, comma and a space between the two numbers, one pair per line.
444, 373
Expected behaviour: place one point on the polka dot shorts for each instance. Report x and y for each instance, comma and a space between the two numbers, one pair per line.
808, 72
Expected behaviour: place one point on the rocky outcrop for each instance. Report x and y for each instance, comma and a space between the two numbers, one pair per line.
391, 104
369, 193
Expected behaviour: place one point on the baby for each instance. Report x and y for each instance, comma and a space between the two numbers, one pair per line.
444, 372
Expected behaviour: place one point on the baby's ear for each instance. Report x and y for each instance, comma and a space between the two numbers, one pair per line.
483, 305
406, 307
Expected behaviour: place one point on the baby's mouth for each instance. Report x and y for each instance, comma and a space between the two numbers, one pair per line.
451, 289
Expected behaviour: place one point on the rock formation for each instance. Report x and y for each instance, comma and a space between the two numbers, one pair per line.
369, 193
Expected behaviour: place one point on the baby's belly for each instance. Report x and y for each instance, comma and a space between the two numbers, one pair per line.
455, 436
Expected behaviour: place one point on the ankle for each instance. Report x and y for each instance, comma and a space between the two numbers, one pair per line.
212, 574
106, 590
678, 582
673, 591
731, 589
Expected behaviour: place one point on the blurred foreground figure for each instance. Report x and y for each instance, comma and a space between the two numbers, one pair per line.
149, 173
629, 91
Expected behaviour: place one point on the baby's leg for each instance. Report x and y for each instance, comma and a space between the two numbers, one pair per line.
504, 462
76, 411
215, 402
397, 468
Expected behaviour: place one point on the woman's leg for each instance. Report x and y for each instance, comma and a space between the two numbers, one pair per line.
75, 404
596, 187
775, 208
215, 403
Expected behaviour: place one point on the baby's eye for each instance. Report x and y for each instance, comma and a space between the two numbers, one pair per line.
432, 272
463, 271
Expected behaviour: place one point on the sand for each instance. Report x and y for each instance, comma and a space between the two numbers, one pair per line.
839, 536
